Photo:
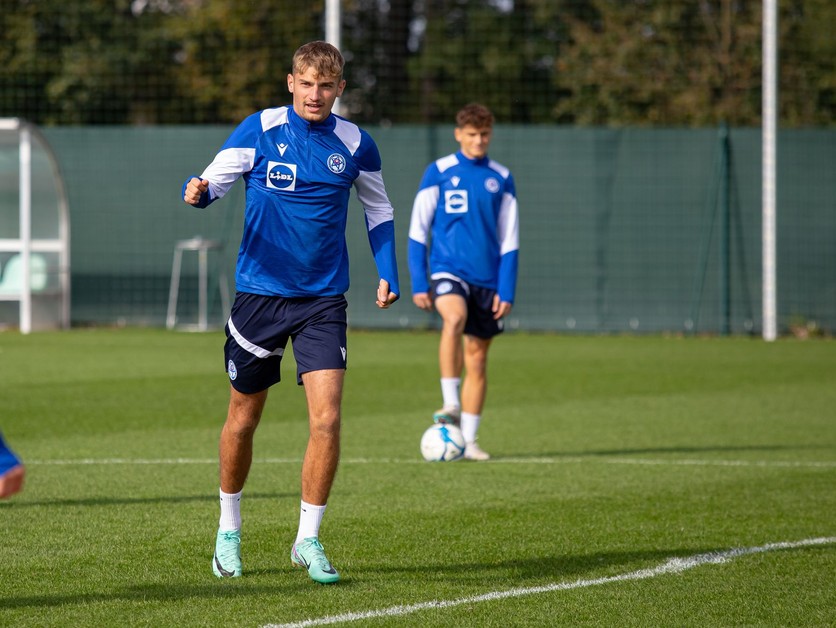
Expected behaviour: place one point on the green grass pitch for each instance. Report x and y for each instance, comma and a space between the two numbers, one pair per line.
636, 481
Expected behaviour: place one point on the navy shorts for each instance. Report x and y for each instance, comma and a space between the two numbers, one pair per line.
260, 326
480, 321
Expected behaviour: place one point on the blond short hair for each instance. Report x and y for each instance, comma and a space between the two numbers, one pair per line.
324, 58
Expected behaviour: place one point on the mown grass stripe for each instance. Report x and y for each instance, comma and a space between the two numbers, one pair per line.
561, 460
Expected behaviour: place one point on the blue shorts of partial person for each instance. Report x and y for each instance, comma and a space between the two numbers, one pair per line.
260, 326
480, 321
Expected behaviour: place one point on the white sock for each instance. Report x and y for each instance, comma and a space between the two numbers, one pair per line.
310, 516
470, 425
230, 511
450, 391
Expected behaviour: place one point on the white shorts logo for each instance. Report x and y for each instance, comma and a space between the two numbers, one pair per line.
455, 201
230, 368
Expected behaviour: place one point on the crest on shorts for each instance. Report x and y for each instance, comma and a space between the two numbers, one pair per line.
444, 287
231, 370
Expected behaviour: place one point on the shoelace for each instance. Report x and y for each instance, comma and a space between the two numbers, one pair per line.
230, 548
318, 555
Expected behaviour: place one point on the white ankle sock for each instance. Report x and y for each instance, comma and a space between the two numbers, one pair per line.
450, 391
310, 516
470, 425
230, 511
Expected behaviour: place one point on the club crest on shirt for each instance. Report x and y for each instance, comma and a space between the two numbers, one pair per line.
491, 185
281, 176
336, 163
455, 201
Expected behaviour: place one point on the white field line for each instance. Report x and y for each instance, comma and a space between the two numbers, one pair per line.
556, 460
670, 566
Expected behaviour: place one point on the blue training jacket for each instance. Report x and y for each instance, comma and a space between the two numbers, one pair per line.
465, 213
298, 179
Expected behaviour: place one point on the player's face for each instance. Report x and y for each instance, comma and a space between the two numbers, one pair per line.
314, 95
474, 142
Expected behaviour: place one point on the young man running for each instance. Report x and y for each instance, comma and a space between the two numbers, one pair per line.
299, 164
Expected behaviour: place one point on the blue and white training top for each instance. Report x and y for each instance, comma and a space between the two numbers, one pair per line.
298, 180
466, 212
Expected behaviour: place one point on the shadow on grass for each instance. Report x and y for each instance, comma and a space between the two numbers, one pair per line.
131, 501
233, 589
663, 450
531, 571
539, 570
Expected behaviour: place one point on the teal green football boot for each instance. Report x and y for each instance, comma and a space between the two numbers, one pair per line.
226, 563
309, 554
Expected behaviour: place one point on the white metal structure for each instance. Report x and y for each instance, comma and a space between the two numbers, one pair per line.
333, 33
33, 284
202, 247
769, 168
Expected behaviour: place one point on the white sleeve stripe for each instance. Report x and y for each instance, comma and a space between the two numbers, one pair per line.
372, 196
248, 346
443, 163
228, 165
423, 210
508, 228
273, 117
498, 167
349, 135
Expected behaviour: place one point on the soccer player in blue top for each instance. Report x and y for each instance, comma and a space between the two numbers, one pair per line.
465, 218
299, 164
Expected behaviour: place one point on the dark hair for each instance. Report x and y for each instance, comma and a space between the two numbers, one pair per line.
324, 58
475, 115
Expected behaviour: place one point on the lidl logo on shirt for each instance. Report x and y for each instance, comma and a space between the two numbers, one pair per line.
455, 201
281, 176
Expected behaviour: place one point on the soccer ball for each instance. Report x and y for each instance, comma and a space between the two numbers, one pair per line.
442, 443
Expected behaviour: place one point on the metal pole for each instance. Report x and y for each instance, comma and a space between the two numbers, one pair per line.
725, 230
333, 31
769, 170
202, 288
174, 289
26, 229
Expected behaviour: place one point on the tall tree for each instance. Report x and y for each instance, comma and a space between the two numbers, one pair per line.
661, 63
494, 52
234, 57
375, 42
594, 62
